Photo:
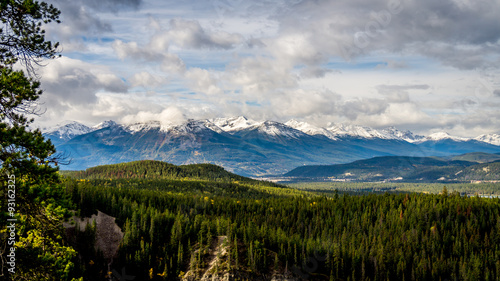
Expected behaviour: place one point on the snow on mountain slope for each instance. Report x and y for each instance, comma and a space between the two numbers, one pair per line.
342, 130
195, 126
393, 133
67, 130
143, 126
190, 126
275, 129
489, 138
310, 129
70, 129
442, 136
104, 124
232, 124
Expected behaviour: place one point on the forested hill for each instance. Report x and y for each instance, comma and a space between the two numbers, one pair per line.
198, 179
479, 157
386, 167
412, 169
151, 169
481, 172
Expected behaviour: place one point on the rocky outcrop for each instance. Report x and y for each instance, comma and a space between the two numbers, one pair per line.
108, 233
217, 264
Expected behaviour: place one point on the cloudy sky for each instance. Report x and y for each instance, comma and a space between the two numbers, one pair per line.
423, 65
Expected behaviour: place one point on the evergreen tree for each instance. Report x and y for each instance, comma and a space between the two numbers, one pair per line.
27, 160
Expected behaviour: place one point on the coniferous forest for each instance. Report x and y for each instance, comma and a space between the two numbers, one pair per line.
170, 216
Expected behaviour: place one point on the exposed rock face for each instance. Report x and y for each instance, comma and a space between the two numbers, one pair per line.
217, 256
216, 269
108, 233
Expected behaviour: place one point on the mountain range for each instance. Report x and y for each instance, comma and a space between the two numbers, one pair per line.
248, 147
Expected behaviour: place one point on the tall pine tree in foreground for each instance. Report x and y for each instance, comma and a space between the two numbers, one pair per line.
28, 173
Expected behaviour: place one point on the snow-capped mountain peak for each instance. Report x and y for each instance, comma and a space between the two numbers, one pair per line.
232, 124
337, 130
304, 127
104, 124
489, 138
143, 126
444, 135
188, 127
310, 129
393, 133
273, 128
67, 130
194, 126
343, 130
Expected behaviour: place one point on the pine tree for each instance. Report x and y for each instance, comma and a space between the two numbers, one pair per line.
235, 249
24, 153
179, 254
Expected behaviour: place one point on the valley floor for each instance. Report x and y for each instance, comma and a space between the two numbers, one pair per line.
484, 189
